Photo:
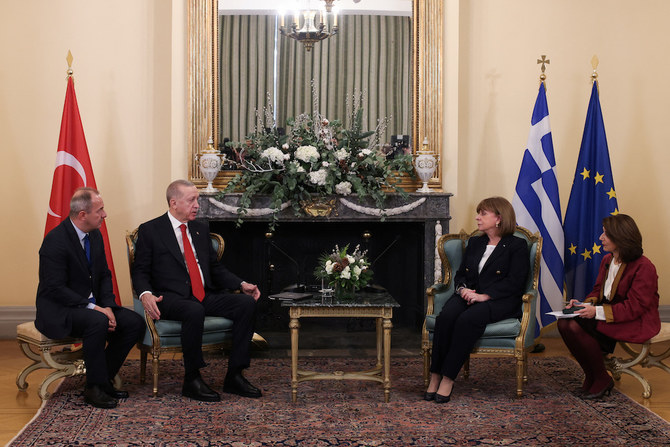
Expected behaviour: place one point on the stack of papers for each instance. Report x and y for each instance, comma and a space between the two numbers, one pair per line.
290, 296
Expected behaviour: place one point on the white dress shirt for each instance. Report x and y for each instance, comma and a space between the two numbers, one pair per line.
607, 290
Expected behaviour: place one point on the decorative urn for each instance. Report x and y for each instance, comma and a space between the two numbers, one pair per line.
210, 165
425, 165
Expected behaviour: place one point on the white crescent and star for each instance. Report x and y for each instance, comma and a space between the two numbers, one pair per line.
66, 159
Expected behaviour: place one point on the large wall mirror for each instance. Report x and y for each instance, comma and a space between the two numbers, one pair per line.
239, 63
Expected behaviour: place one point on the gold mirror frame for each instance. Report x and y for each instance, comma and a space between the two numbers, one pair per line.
203, 76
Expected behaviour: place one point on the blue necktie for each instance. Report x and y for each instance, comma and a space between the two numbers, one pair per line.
87, 249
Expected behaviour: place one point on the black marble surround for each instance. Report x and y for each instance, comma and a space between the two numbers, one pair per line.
401, 247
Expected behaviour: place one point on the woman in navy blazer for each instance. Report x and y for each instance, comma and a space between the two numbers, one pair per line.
624, 305
489, 286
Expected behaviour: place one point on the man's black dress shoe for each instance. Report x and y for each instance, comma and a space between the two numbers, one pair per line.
96, 396
113, 392
237, 384
197, 389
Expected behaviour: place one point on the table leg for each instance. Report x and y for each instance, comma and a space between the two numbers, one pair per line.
387, 358
294, 325
379, 342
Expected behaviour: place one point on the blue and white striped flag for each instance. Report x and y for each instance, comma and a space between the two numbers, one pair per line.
538, 207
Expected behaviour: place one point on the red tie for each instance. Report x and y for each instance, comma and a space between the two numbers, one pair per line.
193, 270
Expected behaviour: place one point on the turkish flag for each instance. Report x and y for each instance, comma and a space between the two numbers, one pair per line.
73, 170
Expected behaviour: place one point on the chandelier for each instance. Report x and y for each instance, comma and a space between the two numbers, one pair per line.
310, 31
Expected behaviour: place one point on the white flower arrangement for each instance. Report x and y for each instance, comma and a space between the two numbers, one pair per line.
345, 270
315, 157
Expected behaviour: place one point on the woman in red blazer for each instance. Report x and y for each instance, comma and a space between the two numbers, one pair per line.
623, 305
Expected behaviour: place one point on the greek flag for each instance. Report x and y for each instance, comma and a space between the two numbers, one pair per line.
538, 207
591, 199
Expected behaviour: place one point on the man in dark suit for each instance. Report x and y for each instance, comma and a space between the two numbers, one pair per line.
177, 276
75, 297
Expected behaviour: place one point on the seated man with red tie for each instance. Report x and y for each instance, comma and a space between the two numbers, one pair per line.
177, 276
75, 297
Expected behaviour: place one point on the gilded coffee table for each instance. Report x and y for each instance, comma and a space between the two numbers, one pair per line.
364, 305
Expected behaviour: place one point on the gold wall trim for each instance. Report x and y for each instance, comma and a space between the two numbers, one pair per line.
203, 77
427, 31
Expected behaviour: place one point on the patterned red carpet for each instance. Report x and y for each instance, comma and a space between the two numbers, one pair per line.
483, 411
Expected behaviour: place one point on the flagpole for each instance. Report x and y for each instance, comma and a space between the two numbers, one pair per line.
594, 75
544, 61
69, 59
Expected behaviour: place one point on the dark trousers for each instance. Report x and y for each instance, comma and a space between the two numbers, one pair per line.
587, 345
105, 350
239, 308
457, 328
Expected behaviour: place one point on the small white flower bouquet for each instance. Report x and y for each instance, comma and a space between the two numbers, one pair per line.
345, 272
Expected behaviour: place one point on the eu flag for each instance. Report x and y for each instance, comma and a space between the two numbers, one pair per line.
538, 208
592, 198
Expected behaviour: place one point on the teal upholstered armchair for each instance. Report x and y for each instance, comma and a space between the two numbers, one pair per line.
164, 335
511, 337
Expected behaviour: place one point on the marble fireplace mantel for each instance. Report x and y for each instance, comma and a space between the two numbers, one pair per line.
425, 207
431, 210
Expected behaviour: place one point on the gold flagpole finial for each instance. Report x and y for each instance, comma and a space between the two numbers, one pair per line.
69, 63
544, 61
594, 64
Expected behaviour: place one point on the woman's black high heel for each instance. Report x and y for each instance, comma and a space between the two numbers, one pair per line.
429, 396
607, 390
440, 399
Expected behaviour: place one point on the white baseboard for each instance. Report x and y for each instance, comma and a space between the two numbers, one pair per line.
664, 312
12, 316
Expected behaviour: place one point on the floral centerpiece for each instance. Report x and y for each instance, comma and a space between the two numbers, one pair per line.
314, 158
344, 272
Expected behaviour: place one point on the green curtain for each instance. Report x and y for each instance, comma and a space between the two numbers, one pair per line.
370, 54
246, 68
